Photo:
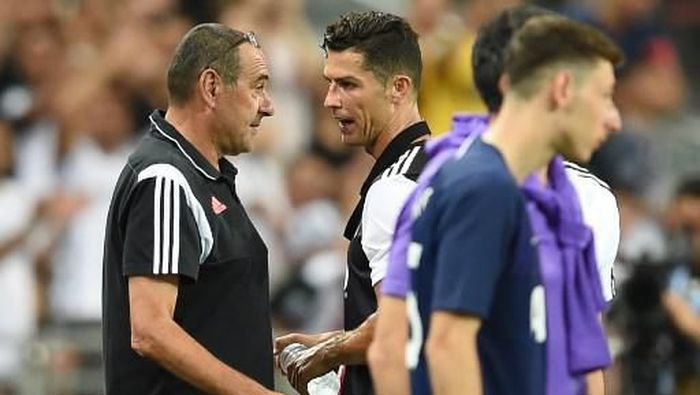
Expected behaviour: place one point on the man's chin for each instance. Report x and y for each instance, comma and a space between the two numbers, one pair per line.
242, 149
247, 149
350, 140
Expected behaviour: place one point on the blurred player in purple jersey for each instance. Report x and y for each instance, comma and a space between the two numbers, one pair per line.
598, 206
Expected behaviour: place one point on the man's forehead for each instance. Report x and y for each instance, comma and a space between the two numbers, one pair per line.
598, 73
345, 63
605, 71
252, 61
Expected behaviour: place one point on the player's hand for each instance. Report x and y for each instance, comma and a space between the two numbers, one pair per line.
309, 365
308, 340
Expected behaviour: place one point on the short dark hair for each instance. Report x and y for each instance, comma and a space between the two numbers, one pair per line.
550, 40
387, 42
205, 45
489, 50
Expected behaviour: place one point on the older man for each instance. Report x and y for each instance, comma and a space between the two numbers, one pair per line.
185, 272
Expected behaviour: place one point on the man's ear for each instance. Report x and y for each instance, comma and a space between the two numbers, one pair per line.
561, 89
401, 87
209, 86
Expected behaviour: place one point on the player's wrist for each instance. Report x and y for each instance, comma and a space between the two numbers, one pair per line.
332, 350
327, 336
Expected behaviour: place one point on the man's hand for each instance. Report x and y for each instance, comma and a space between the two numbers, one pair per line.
309, 340
309, 365
155, 335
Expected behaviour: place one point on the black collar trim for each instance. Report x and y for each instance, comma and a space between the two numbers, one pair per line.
394, 150
400, 144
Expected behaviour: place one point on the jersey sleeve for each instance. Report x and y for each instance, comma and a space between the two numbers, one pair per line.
161, 235
600, 212
474, 228
397, 280
606, 236
384, 201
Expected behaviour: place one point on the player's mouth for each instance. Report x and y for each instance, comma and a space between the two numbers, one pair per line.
345, 124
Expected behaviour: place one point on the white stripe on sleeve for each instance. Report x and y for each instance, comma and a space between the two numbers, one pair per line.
176, 229
167, 224
157, 196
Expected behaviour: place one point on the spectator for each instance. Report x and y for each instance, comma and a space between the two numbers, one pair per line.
682, 297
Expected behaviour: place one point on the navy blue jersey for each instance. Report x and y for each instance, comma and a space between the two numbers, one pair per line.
472, 252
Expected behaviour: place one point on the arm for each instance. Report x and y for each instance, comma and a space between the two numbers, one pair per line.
309, 340
155, 335
383, 204
338, 348
477, 219
452, 355
596, 383
682, 315
386, 354
595, 380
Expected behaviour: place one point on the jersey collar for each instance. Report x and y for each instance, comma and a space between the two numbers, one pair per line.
400, 144
167, 131
394, 150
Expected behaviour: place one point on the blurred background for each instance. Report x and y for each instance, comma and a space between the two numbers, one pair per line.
79, 77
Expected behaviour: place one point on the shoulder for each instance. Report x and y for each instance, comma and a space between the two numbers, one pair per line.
156, 158
591, 190
387, 195
583, 178
478, 193
409, 165
385, 186
477, 174
393, 185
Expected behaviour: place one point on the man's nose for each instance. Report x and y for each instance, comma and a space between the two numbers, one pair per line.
332, 99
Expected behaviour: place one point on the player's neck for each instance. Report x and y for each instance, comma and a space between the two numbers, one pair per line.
520, 133
400, 121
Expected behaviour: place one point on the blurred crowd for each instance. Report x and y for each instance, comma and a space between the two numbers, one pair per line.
79, 77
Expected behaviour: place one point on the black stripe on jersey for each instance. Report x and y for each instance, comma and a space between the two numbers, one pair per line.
585, 173
395, 168
405, 163
420, 159
613, 284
